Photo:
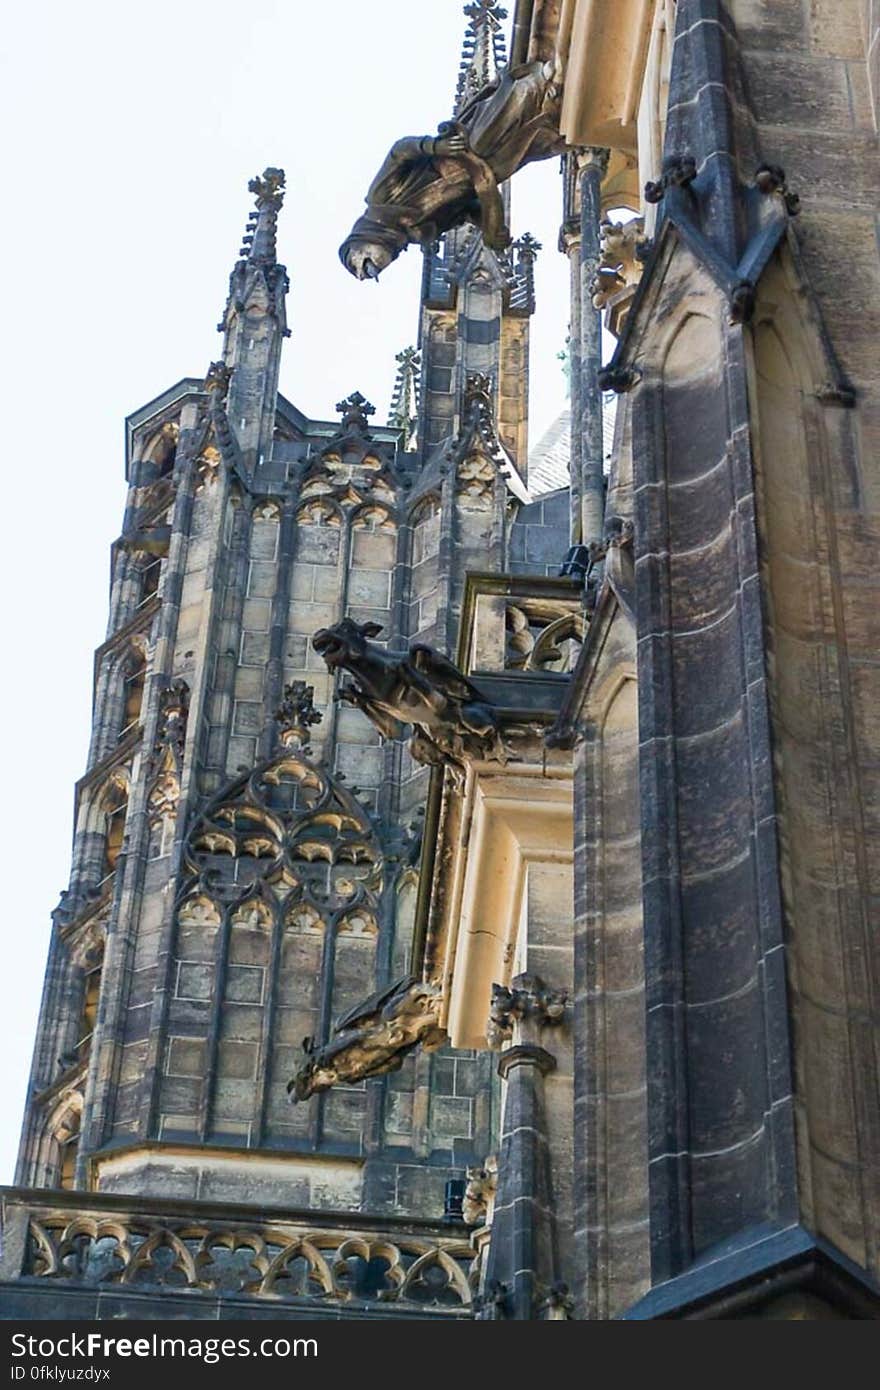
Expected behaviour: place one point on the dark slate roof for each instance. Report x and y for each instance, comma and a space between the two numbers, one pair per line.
549, 459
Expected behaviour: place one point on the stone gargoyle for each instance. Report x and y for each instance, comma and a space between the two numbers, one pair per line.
429, 184
452, 722
372, 1038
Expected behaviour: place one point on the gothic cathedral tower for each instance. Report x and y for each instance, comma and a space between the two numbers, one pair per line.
246, 854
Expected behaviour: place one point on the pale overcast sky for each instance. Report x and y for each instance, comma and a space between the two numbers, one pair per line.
131, 133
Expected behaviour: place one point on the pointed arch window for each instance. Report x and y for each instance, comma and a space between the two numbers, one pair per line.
162, 449
115, 808
92, 971
151, 573
135, 673
67, 1137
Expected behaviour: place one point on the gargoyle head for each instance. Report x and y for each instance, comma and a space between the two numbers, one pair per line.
365, 259
345, 642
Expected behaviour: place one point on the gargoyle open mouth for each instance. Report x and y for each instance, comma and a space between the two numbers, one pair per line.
328, 646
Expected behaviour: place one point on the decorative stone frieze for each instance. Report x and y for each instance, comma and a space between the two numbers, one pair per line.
98, 1246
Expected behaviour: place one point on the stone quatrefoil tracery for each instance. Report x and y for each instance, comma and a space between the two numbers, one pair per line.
353, 473
330, 1266
290, 827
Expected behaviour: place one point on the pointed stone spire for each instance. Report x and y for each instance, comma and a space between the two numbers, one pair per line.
254, 323
483, 51
404, 410
522, 292
259, 238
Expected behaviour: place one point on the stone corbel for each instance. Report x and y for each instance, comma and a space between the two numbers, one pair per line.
519, 1014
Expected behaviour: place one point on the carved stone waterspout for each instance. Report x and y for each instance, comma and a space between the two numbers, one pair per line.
429, 184
452, 721
372, 1038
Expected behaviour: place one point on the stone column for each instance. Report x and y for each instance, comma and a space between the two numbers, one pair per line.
522, 1276
570, 246
592, 164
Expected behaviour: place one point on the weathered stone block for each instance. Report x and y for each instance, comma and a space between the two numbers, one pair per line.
237, 1061
185, 1057
256, 613
261, 579
451, 1117
254, 648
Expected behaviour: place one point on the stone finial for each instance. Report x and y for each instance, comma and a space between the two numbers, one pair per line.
404, 409
355, 411
527, 248
268, 188
527, 1004
296, 714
